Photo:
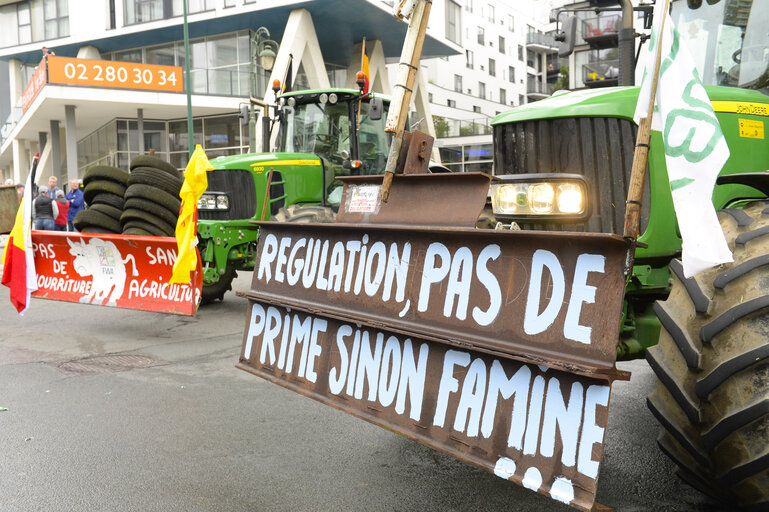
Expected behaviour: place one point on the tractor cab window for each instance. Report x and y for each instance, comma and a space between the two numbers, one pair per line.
374, 143
734, 43
320, 128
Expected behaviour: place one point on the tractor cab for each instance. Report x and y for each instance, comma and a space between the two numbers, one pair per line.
344, 129
733, 38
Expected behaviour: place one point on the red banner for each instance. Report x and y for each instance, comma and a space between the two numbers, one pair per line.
122, 271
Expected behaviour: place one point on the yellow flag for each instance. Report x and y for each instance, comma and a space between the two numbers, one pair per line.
195, 183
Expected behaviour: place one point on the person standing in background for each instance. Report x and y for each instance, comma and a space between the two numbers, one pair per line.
60, 222
76, 203
45, 210
52, 188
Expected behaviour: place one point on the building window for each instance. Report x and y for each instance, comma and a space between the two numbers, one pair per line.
491, 13
503, 96
34, 20
530, 58
481, 36
492, 67
143, 11
501, 44
481, 90
458, 83
510, 23
520, 52
469, 5
230, 3
453, 28
469, 56
476, 109
451, 103
520, 99
429, 97
510, 74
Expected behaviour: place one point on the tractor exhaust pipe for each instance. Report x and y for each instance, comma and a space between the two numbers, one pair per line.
627, 46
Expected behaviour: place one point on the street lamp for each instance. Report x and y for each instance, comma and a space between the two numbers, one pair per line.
265, 50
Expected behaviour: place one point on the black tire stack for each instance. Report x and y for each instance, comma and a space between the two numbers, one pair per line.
151, 198
104, 193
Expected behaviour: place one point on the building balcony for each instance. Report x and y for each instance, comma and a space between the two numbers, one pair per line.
446, 127
541, 42
602, 32
601, 74
536, 90
553, 70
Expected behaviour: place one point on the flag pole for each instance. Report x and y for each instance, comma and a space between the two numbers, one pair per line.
641, 153
360, 98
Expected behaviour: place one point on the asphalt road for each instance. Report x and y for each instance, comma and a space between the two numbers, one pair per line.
193, 433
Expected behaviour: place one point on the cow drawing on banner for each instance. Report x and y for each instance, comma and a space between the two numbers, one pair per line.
101, 260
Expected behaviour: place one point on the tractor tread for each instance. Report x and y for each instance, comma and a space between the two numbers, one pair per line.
700, 300
742, 218
731, 316
740, 270
727, 368
746, 237
734, 421
685, 343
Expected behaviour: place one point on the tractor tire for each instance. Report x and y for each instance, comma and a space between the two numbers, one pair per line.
305, 214
96, 219
155, 178
108, 199
137, 231
132, 213
486, 220
217, 290
96, 230
105, 172
102, 186
712, 364
145, 226
160, 197
153, 208
153, 161
106, 209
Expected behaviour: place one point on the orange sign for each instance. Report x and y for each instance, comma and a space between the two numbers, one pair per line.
122, 271
106, 73
33, 87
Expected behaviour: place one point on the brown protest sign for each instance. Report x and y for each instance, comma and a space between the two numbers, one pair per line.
541, 297
538, 427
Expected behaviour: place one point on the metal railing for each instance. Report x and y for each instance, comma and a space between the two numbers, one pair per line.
537, 87
606, 70
601, 26
535, 38
445, 127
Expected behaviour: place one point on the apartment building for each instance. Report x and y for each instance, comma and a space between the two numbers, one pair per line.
507, 60
114, 86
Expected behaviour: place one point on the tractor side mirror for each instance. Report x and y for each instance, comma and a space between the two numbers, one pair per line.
375, 109
567, 37
244, 115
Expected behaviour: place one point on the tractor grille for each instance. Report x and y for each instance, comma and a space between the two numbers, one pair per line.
599, 148
240, 187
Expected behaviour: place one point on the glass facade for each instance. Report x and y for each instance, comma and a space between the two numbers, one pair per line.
468, 157
143, 11
219, 65
117, 142
33, 20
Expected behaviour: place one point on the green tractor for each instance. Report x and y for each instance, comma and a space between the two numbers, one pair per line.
322, 134
564, 164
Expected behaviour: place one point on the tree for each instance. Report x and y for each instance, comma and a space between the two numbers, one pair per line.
563, 81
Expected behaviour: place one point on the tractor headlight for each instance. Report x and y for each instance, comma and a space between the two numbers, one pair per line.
540, 197
214, 201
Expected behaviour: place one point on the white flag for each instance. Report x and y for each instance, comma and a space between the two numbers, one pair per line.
695, 147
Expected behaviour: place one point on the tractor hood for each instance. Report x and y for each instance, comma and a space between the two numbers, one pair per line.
611, 102
265, 160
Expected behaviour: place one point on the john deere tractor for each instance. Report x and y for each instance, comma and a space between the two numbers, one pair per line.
322, 134
564, 164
